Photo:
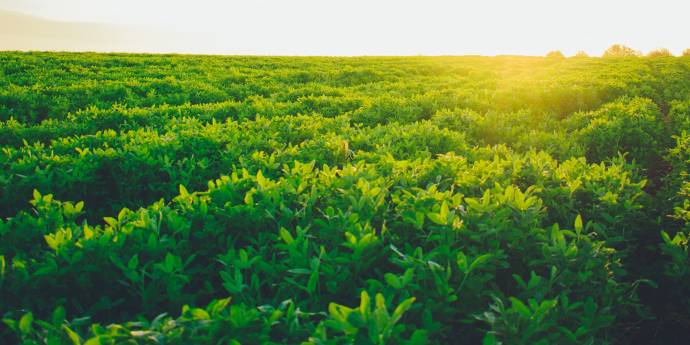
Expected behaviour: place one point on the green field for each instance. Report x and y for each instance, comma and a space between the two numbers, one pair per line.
174, 199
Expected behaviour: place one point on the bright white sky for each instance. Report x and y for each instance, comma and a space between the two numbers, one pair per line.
388, 27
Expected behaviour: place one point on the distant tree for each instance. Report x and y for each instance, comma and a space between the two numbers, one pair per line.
686, 52
661, 52
555, 54
581, 53
618, 50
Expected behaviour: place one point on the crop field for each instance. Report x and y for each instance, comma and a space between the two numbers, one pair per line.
181, 199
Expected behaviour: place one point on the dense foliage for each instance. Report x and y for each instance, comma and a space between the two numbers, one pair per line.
242, 200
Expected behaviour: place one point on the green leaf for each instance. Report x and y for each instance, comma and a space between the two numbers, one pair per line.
479, 260
380, 301
199, 314
490, 339
462, 262
249, 198
436, 218
98, 340
133, 262
58, 316
51, 241
520, 307
285, 235
183, 191
73, 336
339, 312
392, 280
402, 308
364, 303
12, 324
313, 281
419, 337
407, 277
218, 306
78, 207
122, 214
444, 210
169, 262
260, 179
578, 225
25, 323
110, 221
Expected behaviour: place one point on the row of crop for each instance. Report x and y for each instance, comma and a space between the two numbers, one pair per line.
487, 262
73, 82
369, 111
615, 128
674, 273
132, 168
601, 134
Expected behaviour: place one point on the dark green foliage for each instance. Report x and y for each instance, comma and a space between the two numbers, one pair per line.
271, 200
634, 126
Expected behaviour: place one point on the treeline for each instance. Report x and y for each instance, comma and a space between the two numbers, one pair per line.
619, 50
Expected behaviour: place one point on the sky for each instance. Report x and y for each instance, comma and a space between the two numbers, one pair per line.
353, 27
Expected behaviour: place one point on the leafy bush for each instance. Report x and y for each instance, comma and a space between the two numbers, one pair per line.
620, 127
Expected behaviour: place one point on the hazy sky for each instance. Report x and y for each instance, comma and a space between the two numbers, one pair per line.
383, 27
